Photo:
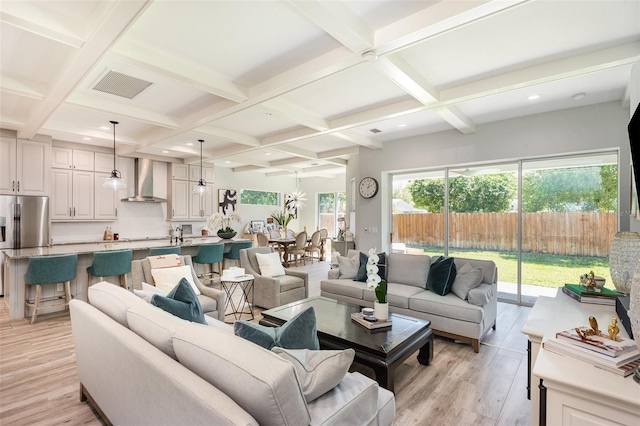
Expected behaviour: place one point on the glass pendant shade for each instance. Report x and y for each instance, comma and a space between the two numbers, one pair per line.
114, 181
201, 188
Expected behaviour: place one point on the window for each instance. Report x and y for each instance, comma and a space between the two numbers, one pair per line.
261, 198
331, 212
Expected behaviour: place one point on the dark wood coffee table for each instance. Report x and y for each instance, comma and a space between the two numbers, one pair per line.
382, 350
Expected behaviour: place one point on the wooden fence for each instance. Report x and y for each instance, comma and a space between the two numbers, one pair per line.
572, 233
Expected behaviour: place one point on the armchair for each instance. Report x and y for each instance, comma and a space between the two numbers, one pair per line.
212, 300
276, 291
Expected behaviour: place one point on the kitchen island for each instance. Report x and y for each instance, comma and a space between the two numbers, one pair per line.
15, 266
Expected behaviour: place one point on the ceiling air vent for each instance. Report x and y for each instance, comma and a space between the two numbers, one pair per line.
375, 130
123, 85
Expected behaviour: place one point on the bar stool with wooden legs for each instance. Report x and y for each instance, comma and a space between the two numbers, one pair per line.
47, 270
158, 251
111, 263
209, 254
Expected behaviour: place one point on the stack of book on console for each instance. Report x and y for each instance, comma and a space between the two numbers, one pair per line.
581, 294
371, 325
620, 357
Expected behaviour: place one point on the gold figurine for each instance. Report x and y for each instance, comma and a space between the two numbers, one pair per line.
592, 332
613, 329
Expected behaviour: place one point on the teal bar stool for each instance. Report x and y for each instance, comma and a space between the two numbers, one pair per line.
210, 254
157, 251
110, 264
45, 270
234, 252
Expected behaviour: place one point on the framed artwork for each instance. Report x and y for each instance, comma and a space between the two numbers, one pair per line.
269, 220
289, 205
257, 226
227, 201
269, 227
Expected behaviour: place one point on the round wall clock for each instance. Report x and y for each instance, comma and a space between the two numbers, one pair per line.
368, 187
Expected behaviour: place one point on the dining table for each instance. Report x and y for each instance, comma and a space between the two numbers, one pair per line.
282, 244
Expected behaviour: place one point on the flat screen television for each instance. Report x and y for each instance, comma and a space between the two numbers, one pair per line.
634, 140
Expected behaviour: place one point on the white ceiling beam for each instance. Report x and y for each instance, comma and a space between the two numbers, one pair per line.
385, 112
358, 138
45, 27
10, 122
436, 19
26, 89
543, 73
339, 21
118, 19
82, 100
290, 111
407, 78
457, 119
246, 168
325, 155
228, 135
174, 68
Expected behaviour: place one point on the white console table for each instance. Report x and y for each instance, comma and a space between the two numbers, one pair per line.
576, 392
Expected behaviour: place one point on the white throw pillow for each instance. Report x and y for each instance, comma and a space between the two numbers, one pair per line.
269, 264
467, 278
318, 371
148, 291
167, 278
348, 266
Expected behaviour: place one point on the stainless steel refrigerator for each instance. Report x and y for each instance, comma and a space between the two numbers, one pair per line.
24, 223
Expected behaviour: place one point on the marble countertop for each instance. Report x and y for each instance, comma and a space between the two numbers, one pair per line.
91, 247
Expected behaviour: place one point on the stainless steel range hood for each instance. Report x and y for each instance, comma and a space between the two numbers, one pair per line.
143, 178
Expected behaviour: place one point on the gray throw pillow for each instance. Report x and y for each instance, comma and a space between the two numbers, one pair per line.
298, 333
348, 267
318, 371
182, 302
467, 278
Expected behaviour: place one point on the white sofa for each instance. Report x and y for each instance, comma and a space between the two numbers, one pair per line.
139, 365
450, 316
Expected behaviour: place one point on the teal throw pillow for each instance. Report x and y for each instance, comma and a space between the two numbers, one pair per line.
441, 275
182, 302
361, 275
298, 333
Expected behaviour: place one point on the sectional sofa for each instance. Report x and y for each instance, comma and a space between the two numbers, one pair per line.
466, 320
140, 365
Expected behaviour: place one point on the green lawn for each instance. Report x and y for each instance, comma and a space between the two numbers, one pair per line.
545, 270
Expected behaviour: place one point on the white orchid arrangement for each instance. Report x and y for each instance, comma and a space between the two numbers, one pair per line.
222, 221
374, 282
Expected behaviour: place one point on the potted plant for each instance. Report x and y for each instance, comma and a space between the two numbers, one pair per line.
223, 223
282, 219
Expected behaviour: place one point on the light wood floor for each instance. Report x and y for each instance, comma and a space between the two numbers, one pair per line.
38, 382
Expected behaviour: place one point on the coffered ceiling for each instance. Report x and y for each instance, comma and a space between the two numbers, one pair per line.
278, 87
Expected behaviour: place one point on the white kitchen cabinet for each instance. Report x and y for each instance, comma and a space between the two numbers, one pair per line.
201, 207
103, 162
7, 165
75, 159
207, 174
178, 202
25, 166
72, 196
179, 171
106, 200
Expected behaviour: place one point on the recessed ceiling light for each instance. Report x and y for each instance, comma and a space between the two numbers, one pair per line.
227, 162
86, 139
578, 96
104, 128
164, 151
189, 143
402, 125
534, 97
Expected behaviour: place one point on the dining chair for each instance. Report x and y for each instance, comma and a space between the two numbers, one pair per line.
313, 246
324, 236
263, 239
297, 250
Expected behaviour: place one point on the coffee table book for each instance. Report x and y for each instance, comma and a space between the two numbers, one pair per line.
600, 343
623, 367
605, 297
357, 317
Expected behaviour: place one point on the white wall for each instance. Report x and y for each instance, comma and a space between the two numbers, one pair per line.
590, 128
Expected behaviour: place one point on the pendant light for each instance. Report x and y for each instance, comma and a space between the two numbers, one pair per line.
201, 188
115, 181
